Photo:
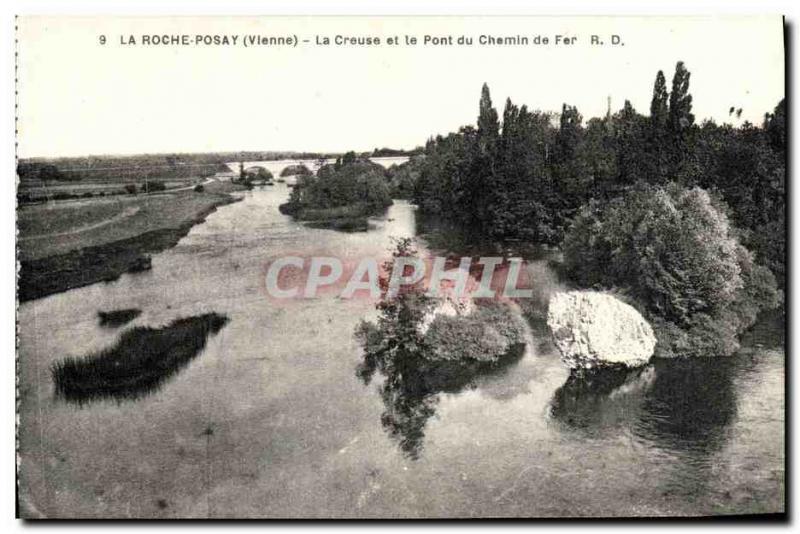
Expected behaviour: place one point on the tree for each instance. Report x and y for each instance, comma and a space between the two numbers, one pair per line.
572, 178
630, 142
569, 133
488, 125
659, 105
680, 101
675, 253
775, 126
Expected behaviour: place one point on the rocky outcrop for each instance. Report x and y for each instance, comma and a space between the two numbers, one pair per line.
594, 330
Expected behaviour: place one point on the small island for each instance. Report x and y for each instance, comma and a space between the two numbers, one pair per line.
255, 175
296, 170
342, 195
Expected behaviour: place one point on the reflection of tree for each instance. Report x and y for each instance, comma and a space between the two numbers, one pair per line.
396, 347
690, 405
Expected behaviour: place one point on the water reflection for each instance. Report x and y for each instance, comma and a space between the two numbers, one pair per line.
141, 361
414, 367
410, 396
677, 405
597, 401
690, 405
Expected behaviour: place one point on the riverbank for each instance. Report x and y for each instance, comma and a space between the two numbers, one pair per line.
69, 245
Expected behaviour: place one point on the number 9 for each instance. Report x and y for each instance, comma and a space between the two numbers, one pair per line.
102, 39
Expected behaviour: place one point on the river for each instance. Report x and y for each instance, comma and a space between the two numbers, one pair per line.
270, 419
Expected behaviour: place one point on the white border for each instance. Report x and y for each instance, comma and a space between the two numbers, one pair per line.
8, 8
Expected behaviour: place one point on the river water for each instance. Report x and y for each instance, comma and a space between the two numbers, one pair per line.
270, 419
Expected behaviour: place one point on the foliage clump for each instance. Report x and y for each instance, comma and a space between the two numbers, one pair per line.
675, 254
342, 195
296, 170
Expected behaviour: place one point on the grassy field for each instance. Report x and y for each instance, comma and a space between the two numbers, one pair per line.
74, 243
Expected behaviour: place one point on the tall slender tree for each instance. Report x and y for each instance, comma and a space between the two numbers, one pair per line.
659, 105
680, 101
488, 123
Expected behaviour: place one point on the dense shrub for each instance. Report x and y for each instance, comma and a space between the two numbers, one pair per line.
344, 183
153, 186
199, 188
41, 171
403, 177
485, 334
131, 189
296, 170
675, 254
257, 174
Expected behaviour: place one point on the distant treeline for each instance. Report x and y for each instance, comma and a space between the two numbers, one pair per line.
525, 177
393, 153
164, 166
118, 168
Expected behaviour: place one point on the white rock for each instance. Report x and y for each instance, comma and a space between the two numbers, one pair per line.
594, 329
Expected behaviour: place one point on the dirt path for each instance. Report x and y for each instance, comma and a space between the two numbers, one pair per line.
127, 212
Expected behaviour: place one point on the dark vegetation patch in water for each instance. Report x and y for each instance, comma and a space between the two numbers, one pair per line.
141, 361
117, 318
350, 218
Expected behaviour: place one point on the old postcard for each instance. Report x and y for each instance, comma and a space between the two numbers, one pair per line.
400, 267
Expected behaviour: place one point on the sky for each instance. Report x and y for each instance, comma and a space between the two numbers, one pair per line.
77, 96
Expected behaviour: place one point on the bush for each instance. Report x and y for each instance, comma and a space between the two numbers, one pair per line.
153, 186
356, 184
296, 170
403, 178
677, 256
199, 188
257, 174
484, 335
131, 189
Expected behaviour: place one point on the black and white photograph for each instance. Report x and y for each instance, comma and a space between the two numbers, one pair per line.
401, 267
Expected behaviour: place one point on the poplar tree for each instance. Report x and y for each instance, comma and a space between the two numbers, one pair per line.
488, 123
657, 166
659, 110
680, 101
